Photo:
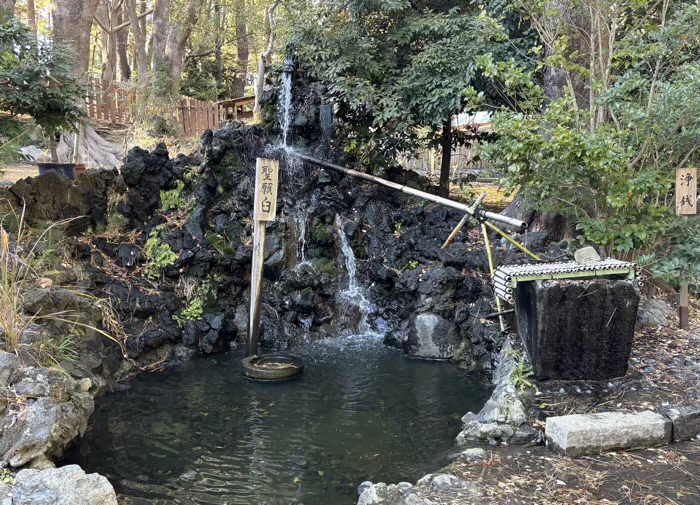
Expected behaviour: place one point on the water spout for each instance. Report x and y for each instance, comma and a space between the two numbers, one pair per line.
285, 115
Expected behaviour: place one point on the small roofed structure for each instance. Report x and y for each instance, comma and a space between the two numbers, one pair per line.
237, 108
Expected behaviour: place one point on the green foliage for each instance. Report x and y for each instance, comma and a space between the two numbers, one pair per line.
393, 66
412, 265
173, 199
520, 376
37, 80
13, 136
611, 168
159, 256
193, 312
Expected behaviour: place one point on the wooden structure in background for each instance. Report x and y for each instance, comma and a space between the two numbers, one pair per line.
195, 116
106, 102
109, 103
237, 109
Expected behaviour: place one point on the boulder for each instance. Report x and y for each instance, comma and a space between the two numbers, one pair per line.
654, 313
68, 485
431, 337
146, 174
42, 428
503, 417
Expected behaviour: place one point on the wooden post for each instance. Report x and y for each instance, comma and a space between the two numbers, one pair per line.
264, 209
686, 204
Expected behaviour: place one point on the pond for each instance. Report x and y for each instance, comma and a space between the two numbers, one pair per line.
200, 433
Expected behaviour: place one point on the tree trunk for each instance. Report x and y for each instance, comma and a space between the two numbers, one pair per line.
72, 25
8, 6
446, 142
243, 53
123, 47
161, 29
170, 39
139, 44
262, 60
31, 16
217, 52
177, 43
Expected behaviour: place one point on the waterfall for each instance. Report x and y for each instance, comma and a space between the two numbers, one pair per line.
353, 295
285, 116
299, 218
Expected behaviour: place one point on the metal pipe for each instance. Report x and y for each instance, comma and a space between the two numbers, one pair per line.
521, 225
256, 275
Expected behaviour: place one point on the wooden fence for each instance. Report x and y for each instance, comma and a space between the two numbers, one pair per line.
195, 116
107, 102
463, 163
112, 104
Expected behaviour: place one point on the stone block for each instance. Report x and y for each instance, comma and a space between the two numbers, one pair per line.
581, 434
577, 329
686, 422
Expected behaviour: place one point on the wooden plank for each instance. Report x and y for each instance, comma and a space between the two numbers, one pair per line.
197, 117
683, 310
185, 117
686, 191
193, 116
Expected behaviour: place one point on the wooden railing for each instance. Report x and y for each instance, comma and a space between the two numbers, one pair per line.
107, 102
110, 103
195, 116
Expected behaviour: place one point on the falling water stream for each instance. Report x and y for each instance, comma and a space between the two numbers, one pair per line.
286, 104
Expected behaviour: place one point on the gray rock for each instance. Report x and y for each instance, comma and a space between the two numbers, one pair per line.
9, 366
504, 414
686, 421
580, 434
473, 454
431, 337
43, 428
586, 255
654, 313
68, 485
577, 329
402, 493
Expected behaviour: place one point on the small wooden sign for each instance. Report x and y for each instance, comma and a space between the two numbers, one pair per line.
686, 191
266, 178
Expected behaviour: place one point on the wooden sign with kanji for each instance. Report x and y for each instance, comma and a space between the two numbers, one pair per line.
686, 191
266, 177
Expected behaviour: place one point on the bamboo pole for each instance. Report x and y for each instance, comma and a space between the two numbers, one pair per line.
481, 214
487, 243
464, 220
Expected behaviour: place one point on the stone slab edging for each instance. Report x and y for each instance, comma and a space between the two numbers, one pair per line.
582, 434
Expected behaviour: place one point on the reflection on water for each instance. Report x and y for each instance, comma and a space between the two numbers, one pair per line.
202, 434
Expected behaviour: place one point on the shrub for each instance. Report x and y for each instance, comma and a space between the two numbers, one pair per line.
159, 255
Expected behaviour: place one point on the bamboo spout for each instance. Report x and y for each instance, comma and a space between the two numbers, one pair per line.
480, 214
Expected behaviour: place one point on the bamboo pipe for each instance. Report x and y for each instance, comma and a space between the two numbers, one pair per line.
462, 222
521, 225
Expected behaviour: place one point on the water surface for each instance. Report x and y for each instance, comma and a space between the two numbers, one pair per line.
200, 433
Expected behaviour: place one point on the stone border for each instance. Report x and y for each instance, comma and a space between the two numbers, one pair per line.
582, 434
